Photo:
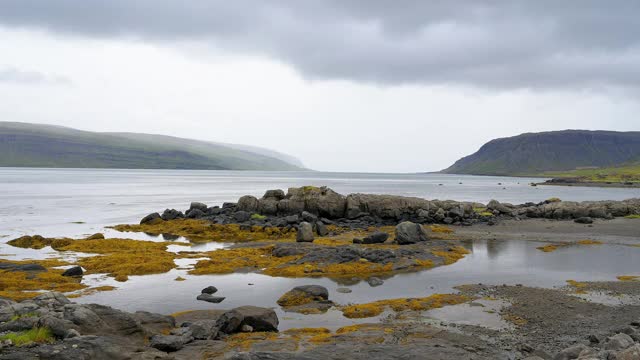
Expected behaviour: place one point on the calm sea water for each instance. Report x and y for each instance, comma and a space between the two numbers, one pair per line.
73, 202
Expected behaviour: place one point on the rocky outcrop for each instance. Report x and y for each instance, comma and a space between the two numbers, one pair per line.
321, 206
92, 331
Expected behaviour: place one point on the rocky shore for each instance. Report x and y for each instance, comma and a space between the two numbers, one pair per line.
313, 232
321, 206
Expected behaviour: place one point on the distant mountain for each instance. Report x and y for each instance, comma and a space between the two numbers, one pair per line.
36, 145
537, 153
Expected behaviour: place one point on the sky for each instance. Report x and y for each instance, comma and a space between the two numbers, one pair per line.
344, 85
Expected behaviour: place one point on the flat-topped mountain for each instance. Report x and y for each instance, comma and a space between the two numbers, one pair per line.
36, 145
537, 153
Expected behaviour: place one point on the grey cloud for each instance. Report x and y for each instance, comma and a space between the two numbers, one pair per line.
544, 44
13, 75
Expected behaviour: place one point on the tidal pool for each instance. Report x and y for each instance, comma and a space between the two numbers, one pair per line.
491, 262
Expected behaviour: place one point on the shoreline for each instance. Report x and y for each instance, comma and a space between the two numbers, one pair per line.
313, 232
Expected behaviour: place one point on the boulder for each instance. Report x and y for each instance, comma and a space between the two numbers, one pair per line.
571, 353
169, 343
321, 229
292, 219
248, 203
96, 236
618, 342
210, 298
198, 205
410, 233
377, 237
259, 318
204, 329
73, 271
209, 290
172, 214
151, 219
195, 214
494, 205
320, 201
305, 232
384, 206
308, 217
374, 281
632, 353
242, 216
277, 194
230, 321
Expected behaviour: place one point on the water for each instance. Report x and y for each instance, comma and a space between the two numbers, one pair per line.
78, 202
75, 202
491, 262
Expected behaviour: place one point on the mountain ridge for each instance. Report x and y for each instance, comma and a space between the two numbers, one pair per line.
42, 145
537, 153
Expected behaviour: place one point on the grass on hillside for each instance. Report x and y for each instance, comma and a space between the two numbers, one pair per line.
35, 335
629, 173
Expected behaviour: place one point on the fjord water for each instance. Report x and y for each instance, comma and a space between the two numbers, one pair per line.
77, 202
74, 202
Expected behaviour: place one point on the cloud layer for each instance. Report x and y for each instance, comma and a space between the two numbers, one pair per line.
504, 45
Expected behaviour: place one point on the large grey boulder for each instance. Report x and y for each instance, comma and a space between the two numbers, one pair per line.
632, 353
198, 205
305, 232
259, 318
316, 292
618, 342
384, 206
321, 201
230, 321
248, 203
410, 233
204, 329
377, 237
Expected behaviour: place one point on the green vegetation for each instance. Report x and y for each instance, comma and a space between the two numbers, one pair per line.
634, 216
258, 217
558, 151
619, 174
34, 145
22, 316
482, 211
35, 335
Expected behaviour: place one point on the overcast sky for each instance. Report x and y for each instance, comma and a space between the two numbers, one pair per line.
344, 85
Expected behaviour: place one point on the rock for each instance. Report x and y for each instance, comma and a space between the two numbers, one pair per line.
204, 329
198, 205
377, 237
410, 233
72, 333
248, 203
168, 343
571, 352
260, 319
374, 281
51, 299
494, 205
210, 298
195, 213
151, 219
96, 236
73, 271
305, 232
246, 328
172, 214
308, 217
230, 321
209, 290
277, 194
343, 290
242, 216
618, 342
316, 291
321, 229
59, 327
632, 353
116, 321
584, 220
292, 219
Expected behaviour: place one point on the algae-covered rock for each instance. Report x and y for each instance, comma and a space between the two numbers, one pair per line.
150, 219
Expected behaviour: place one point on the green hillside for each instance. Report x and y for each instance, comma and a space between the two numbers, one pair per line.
620, 174
35, 145
538, 153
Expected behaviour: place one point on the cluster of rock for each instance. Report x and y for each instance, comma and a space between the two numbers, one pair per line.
321, 206
207, 295
623, 345
92, 331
